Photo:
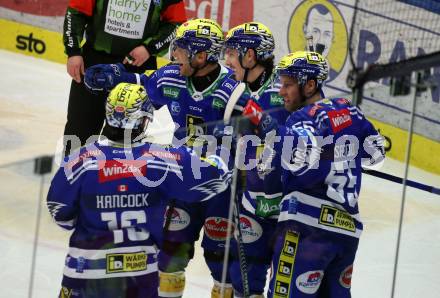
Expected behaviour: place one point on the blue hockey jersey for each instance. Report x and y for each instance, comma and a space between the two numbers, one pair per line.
114, 199
255, 200
194, 112
321, 152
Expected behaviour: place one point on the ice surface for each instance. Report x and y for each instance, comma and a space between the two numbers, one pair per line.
33, 104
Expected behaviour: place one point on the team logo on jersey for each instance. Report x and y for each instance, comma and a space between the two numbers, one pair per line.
339, 119
116, 169
171, 92
54, 207
195, 128
126, 262
175, 108
336, 218
345, 278
179, 219
310, 281
285, 265
323, 21
250, 229
216, 228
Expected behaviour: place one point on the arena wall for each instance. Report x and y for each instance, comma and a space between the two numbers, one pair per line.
34, 28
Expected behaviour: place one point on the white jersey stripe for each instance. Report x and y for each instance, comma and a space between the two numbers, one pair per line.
101, 273
95, 254
171, 80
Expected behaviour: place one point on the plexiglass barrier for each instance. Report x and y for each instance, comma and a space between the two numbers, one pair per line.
398, 249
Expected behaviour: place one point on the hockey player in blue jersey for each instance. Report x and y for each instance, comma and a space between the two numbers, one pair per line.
319, 157
248, 52
195, 88
112, 194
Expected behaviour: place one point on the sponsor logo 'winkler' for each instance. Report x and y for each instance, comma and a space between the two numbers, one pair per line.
339, 119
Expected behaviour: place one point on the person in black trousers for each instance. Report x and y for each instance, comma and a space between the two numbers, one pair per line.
114, 32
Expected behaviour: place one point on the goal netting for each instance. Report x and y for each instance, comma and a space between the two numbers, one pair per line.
393, 38
406, 29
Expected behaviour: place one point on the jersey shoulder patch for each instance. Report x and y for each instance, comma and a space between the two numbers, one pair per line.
169, 80
168, 71
83, 156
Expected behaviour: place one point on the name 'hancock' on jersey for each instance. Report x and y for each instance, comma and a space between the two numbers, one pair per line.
114, 199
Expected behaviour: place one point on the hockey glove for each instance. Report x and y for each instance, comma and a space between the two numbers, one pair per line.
264, 122
103, 77
226, 139
241, 103
222, 130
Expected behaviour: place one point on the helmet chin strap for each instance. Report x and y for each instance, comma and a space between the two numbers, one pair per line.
193, 67
196, 68
190, 60
304, 98
246, 69
143, 133
246, 73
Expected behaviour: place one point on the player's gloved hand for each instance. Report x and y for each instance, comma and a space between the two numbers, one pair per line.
103, 77
221, 130
225, 136
241, 103
263, 121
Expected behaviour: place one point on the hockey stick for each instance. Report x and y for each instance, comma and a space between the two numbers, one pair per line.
234, 208
399, 180
233, 99
234, 211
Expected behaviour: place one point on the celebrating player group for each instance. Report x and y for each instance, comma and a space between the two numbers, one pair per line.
253, 136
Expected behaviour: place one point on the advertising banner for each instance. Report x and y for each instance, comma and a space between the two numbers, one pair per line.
290, 21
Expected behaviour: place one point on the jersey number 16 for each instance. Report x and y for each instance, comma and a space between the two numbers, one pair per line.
128, 221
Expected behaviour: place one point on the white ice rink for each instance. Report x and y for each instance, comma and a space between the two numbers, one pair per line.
33, 104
